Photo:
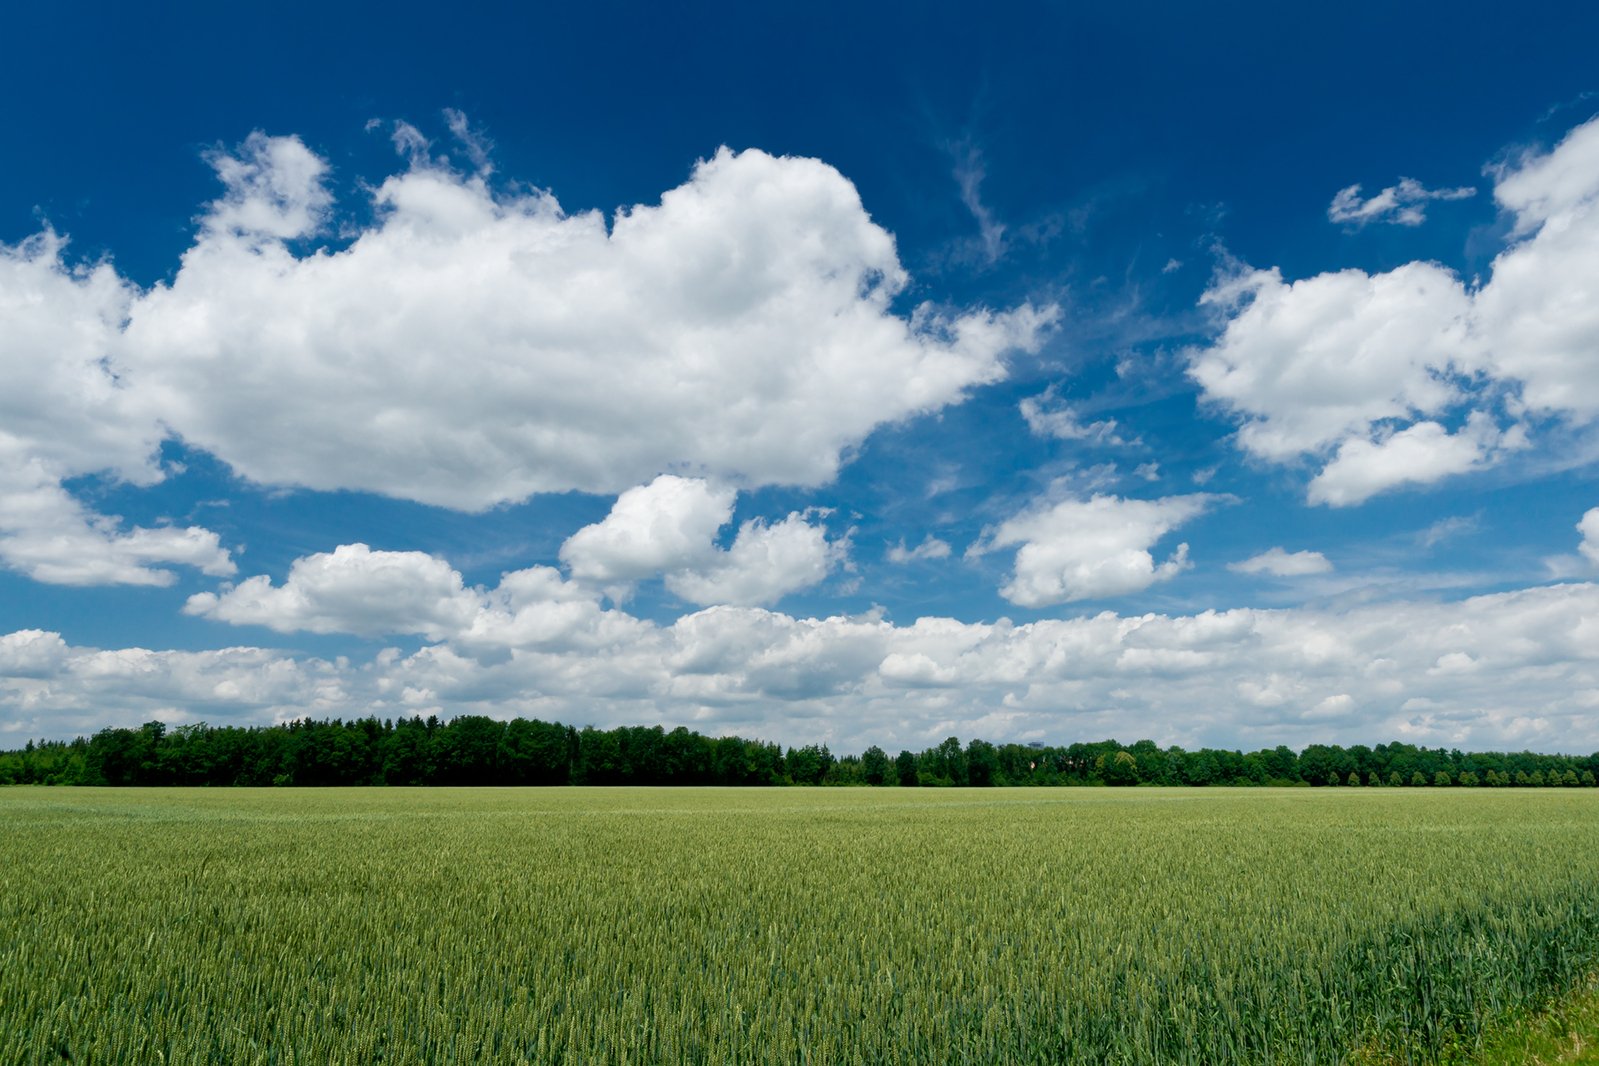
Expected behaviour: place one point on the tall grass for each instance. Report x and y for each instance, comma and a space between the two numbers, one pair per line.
401, 926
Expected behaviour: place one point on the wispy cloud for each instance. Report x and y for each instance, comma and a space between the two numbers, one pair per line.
969, 174
930, 548
1047, 416
1404, 204
1281, 563
1447, 529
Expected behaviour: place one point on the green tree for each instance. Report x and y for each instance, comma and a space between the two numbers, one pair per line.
1200, 768
982, 764
945, 764
874, 765
905, 769
1118, 769
805, 765
1282, 763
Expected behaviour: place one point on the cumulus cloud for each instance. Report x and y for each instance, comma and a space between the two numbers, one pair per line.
1589, 528
357, 590
1361, 371
930, 548
1070, 550
1540, 310
1542, 188
669, 524
51, 688
536, 609
765, 563
473, 346
1278, 562
65, 404
274, 191
1511, 669
1404, 204
353, 589
1310, 363
48, 535
467, 347
66, 411
668, 528
1419, 454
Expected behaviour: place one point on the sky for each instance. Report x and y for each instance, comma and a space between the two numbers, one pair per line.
820, 373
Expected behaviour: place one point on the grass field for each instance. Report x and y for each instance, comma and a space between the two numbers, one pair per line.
786, 925
1565, 1032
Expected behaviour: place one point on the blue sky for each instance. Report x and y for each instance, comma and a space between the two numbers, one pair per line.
1226, 376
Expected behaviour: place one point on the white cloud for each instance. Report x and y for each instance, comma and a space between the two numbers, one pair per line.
274, 192
1404, 204
1540, 310
1541, 188
353, 589
668, 528
669, 524
65, 404
1589, 528
31, 653
466, 348
1420, 454
49, 536
357, 590
1358, 369
1279, 562
66, 411
764, 564
64, 690
1517, 669
1074, 549
1047, 416
930, 548
1311, 363
471, 347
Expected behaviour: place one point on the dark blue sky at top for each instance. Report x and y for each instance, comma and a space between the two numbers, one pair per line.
1114, 139
1156, 112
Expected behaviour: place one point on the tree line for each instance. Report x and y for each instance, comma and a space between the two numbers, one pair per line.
475, 750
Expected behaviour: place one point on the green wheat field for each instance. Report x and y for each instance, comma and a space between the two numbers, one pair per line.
785, 925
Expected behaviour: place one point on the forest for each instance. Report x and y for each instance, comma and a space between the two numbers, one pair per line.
475, 750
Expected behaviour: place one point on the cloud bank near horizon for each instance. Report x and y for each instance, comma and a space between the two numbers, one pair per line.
1512, 669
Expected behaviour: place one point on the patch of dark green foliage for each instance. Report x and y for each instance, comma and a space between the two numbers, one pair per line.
475, 750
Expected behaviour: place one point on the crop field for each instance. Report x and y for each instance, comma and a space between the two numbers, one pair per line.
785, 925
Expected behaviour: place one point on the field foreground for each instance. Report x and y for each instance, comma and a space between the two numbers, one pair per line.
785, 925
